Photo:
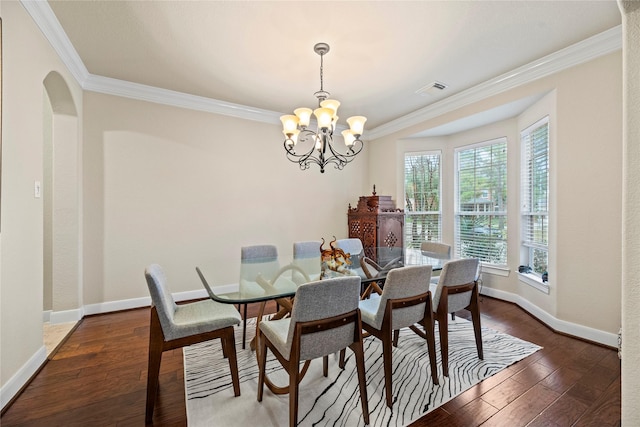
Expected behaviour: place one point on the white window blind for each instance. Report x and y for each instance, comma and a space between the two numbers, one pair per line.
535, 195
481, 202
422, 198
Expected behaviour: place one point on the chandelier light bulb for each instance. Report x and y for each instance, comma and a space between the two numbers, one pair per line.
332, 104
304, 116
349, 138
324, 117
289, 123
356, 123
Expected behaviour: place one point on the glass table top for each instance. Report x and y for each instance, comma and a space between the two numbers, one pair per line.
264, 279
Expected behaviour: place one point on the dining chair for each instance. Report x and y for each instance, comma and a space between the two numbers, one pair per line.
405, 301
175, 326
307, 256
457, 289
255, 260
435, 250
362, 265
353, 246
325, 319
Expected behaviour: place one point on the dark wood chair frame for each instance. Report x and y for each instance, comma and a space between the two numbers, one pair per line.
158, 344
292, 365
441, 315
390, 337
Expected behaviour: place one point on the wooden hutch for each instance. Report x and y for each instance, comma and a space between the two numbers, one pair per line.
379, 225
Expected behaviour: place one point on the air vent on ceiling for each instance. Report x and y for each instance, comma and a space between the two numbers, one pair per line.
432, 88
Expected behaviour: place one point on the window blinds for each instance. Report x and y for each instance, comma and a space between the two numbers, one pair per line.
481, 217
422, 198
535, 193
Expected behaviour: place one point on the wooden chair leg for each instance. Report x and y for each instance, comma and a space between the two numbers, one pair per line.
358, 350
229, 346
386, 360
341, 361
396, 336
293, 394
244, 326
262, 362
325, 366
156, 341
428, 326
477, 328
443, 327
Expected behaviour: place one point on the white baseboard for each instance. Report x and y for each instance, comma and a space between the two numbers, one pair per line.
111, 306
569, 328
65, 316
17, 381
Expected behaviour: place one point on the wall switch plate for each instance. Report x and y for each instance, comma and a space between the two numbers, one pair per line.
37, 189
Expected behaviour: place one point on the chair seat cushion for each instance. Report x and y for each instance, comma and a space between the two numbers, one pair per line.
276, 332
368, 310
200, 317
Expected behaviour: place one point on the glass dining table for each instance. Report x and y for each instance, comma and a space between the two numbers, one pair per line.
263, 280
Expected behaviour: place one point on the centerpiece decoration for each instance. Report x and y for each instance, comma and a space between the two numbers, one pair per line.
334, 259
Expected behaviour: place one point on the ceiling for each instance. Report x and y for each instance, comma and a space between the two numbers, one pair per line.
260, 53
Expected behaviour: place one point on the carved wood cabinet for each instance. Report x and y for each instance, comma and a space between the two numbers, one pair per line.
379, 225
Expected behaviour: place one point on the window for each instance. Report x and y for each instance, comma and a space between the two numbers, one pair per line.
481, 202
535, 196
421, 198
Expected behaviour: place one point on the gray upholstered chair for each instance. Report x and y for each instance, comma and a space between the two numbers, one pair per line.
353, 247
175, 326
255, 260
306, 255
435, 250
456, 290
364, 266
405, 301
325, 319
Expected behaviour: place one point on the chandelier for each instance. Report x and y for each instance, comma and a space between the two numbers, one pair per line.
305, 146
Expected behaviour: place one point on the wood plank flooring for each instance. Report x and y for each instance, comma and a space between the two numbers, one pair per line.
98, 378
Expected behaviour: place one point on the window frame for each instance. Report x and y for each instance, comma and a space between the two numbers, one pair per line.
459, 212
529, 246
408, 238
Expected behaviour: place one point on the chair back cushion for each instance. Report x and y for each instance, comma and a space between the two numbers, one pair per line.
319, 300
257, 260
404, 282
354, 248
161, 298
457, 272
435, 250
306, 255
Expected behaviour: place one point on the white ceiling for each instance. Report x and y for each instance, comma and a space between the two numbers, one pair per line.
260, 53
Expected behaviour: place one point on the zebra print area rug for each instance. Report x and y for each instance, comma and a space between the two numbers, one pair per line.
335, 401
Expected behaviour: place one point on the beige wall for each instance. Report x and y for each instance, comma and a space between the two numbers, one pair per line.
631, 214
166, 185
27, 60
586, 192
184, 188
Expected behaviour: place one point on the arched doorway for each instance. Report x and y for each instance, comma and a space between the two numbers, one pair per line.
62, 296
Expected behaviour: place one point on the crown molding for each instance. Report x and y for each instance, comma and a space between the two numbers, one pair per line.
46, 20
157, 95
578, 53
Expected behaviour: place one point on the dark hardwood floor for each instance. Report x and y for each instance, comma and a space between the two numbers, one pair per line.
98, 378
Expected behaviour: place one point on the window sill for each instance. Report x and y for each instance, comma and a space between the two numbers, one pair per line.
535, 282
493, 269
